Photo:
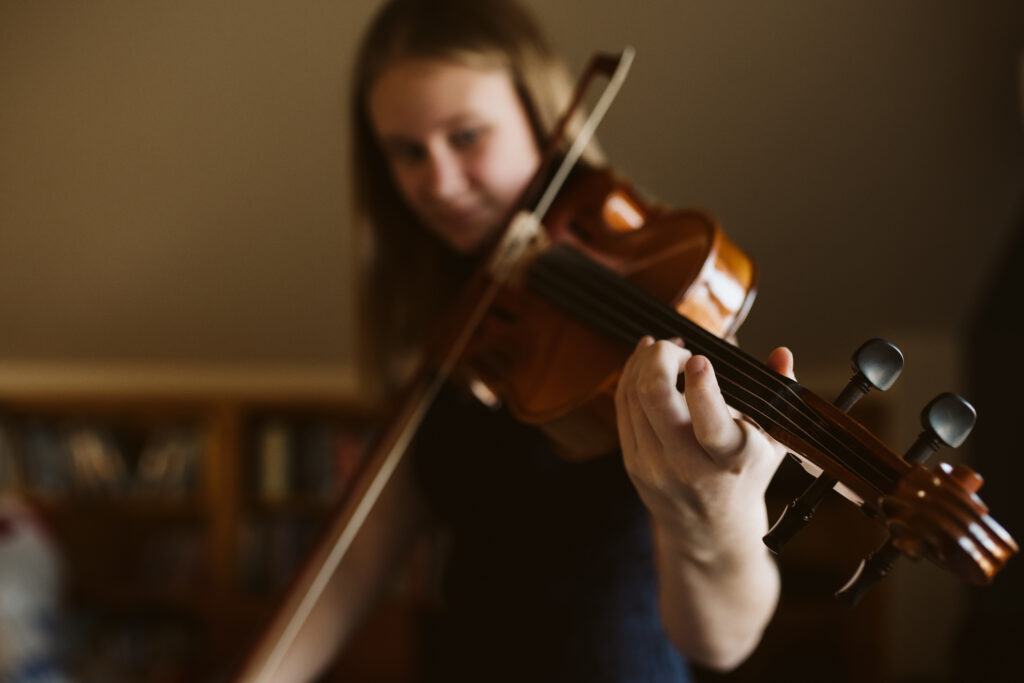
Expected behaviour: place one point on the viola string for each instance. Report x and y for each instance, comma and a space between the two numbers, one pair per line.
664, 321
644, 303
625, 329
670, 321
627, 313
628, 331
755, 407
648, 305
630, 328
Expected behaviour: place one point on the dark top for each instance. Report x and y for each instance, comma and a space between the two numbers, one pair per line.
551, 573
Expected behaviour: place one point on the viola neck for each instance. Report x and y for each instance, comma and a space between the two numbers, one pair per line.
612, 305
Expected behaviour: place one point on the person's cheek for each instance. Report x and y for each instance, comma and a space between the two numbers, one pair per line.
406, 184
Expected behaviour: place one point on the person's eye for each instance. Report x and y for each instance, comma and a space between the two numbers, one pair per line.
405, 152
466, 137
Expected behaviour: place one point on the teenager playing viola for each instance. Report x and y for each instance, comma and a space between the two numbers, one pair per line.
616, 568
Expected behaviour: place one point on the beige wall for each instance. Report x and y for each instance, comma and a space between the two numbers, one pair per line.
868, 154
172, 175
172, 180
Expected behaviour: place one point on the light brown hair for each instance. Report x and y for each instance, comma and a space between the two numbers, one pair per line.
409, 273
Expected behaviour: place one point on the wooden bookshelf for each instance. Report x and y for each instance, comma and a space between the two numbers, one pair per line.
174, 558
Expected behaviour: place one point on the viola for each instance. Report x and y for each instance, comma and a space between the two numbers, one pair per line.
549, 319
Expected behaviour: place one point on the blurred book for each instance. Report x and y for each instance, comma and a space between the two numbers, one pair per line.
274, 456
271, 550
44, 458
172, 560
96, 462
317, 478
169, 462
10, 475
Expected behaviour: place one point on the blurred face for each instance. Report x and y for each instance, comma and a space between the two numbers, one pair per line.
458, 143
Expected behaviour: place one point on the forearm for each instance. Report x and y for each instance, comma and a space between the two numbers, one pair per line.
702, 472
716, 603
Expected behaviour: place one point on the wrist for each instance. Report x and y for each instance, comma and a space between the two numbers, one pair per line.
716, 545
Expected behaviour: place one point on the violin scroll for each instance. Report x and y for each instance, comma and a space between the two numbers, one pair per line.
937, 516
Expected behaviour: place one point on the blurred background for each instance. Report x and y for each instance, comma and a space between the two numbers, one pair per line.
177, 310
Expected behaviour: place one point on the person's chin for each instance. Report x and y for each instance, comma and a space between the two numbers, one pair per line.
466, 246
464, 237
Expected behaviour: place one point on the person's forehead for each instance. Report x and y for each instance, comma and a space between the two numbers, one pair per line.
415, 96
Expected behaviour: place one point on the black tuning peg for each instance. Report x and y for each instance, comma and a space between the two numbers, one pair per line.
947, 420
877, 364
870, 571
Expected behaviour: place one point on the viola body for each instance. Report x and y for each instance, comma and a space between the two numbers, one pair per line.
560, 373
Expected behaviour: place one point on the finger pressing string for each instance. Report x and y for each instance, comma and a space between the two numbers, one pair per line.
713, 424
781, 361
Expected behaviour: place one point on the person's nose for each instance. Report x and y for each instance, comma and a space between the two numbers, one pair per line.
445, 176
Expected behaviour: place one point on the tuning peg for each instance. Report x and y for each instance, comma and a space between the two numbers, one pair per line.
797, 514
871, 570
877, 364
947, 420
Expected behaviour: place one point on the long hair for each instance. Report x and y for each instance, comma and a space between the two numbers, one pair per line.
408, 273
